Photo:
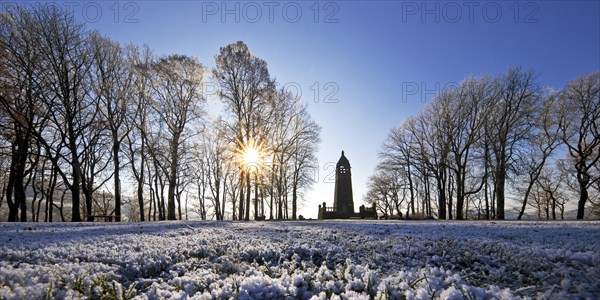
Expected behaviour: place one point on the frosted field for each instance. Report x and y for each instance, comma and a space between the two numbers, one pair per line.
301, 260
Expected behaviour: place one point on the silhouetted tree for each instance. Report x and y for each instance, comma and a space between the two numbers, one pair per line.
509, 124
544, 138
175, 98
579, 120
21, 104
112, 82
245, 86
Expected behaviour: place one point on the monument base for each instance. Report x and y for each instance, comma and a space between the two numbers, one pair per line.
326, 213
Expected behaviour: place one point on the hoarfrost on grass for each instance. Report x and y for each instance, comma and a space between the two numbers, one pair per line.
301, 260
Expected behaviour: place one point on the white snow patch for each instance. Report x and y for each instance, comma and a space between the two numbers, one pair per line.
301, 260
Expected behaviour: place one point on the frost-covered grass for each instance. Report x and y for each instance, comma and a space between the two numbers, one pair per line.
301, 260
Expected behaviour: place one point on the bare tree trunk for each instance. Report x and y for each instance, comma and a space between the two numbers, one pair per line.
157, 192
262, 200
39, 206
13, 206
178, 199
117, 179
500, 198
441, 185
280, 195
427, 196
255, 196
553, 205
294, 198
449, 200
224, 201
248, 192
500, 183
62, 206
256, 206
583, 195
272, 195
412, 193
486, 165
241, 200
285, 195
460, 195
163, 208
173, 178
50, 195
140, 187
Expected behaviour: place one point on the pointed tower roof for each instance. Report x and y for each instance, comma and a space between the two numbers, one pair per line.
343, 161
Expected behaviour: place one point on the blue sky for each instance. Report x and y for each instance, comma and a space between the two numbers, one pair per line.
382, 60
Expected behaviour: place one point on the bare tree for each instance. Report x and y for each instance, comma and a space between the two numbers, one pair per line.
215, 156
139, 60
75, 103
176, 99
112, 83
62, 46
282, 142
20, 101
473, 136
65, 47
245, 85
304, 160
509, 124
386, 190
433, 150
579, 120
400, 150
95, 160
544, 138
463, 114
548, 193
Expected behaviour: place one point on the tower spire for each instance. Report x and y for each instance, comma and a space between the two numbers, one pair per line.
343, 200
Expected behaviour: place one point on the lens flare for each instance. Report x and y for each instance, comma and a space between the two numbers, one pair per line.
250, 155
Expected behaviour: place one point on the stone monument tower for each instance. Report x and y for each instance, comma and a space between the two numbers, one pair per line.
342, 200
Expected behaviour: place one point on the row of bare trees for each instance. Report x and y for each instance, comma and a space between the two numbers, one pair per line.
91, 128
489, 139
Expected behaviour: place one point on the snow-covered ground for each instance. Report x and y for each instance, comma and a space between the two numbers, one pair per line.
301, 260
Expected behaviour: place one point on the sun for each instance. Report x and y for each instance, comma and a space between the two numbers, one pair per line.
251, 156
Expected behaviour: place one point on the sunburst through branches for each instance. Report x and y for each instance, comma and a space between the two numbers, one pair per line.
251, 155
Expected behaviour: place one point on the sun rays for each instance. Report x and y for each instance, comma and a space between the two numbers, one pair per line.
251, 155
